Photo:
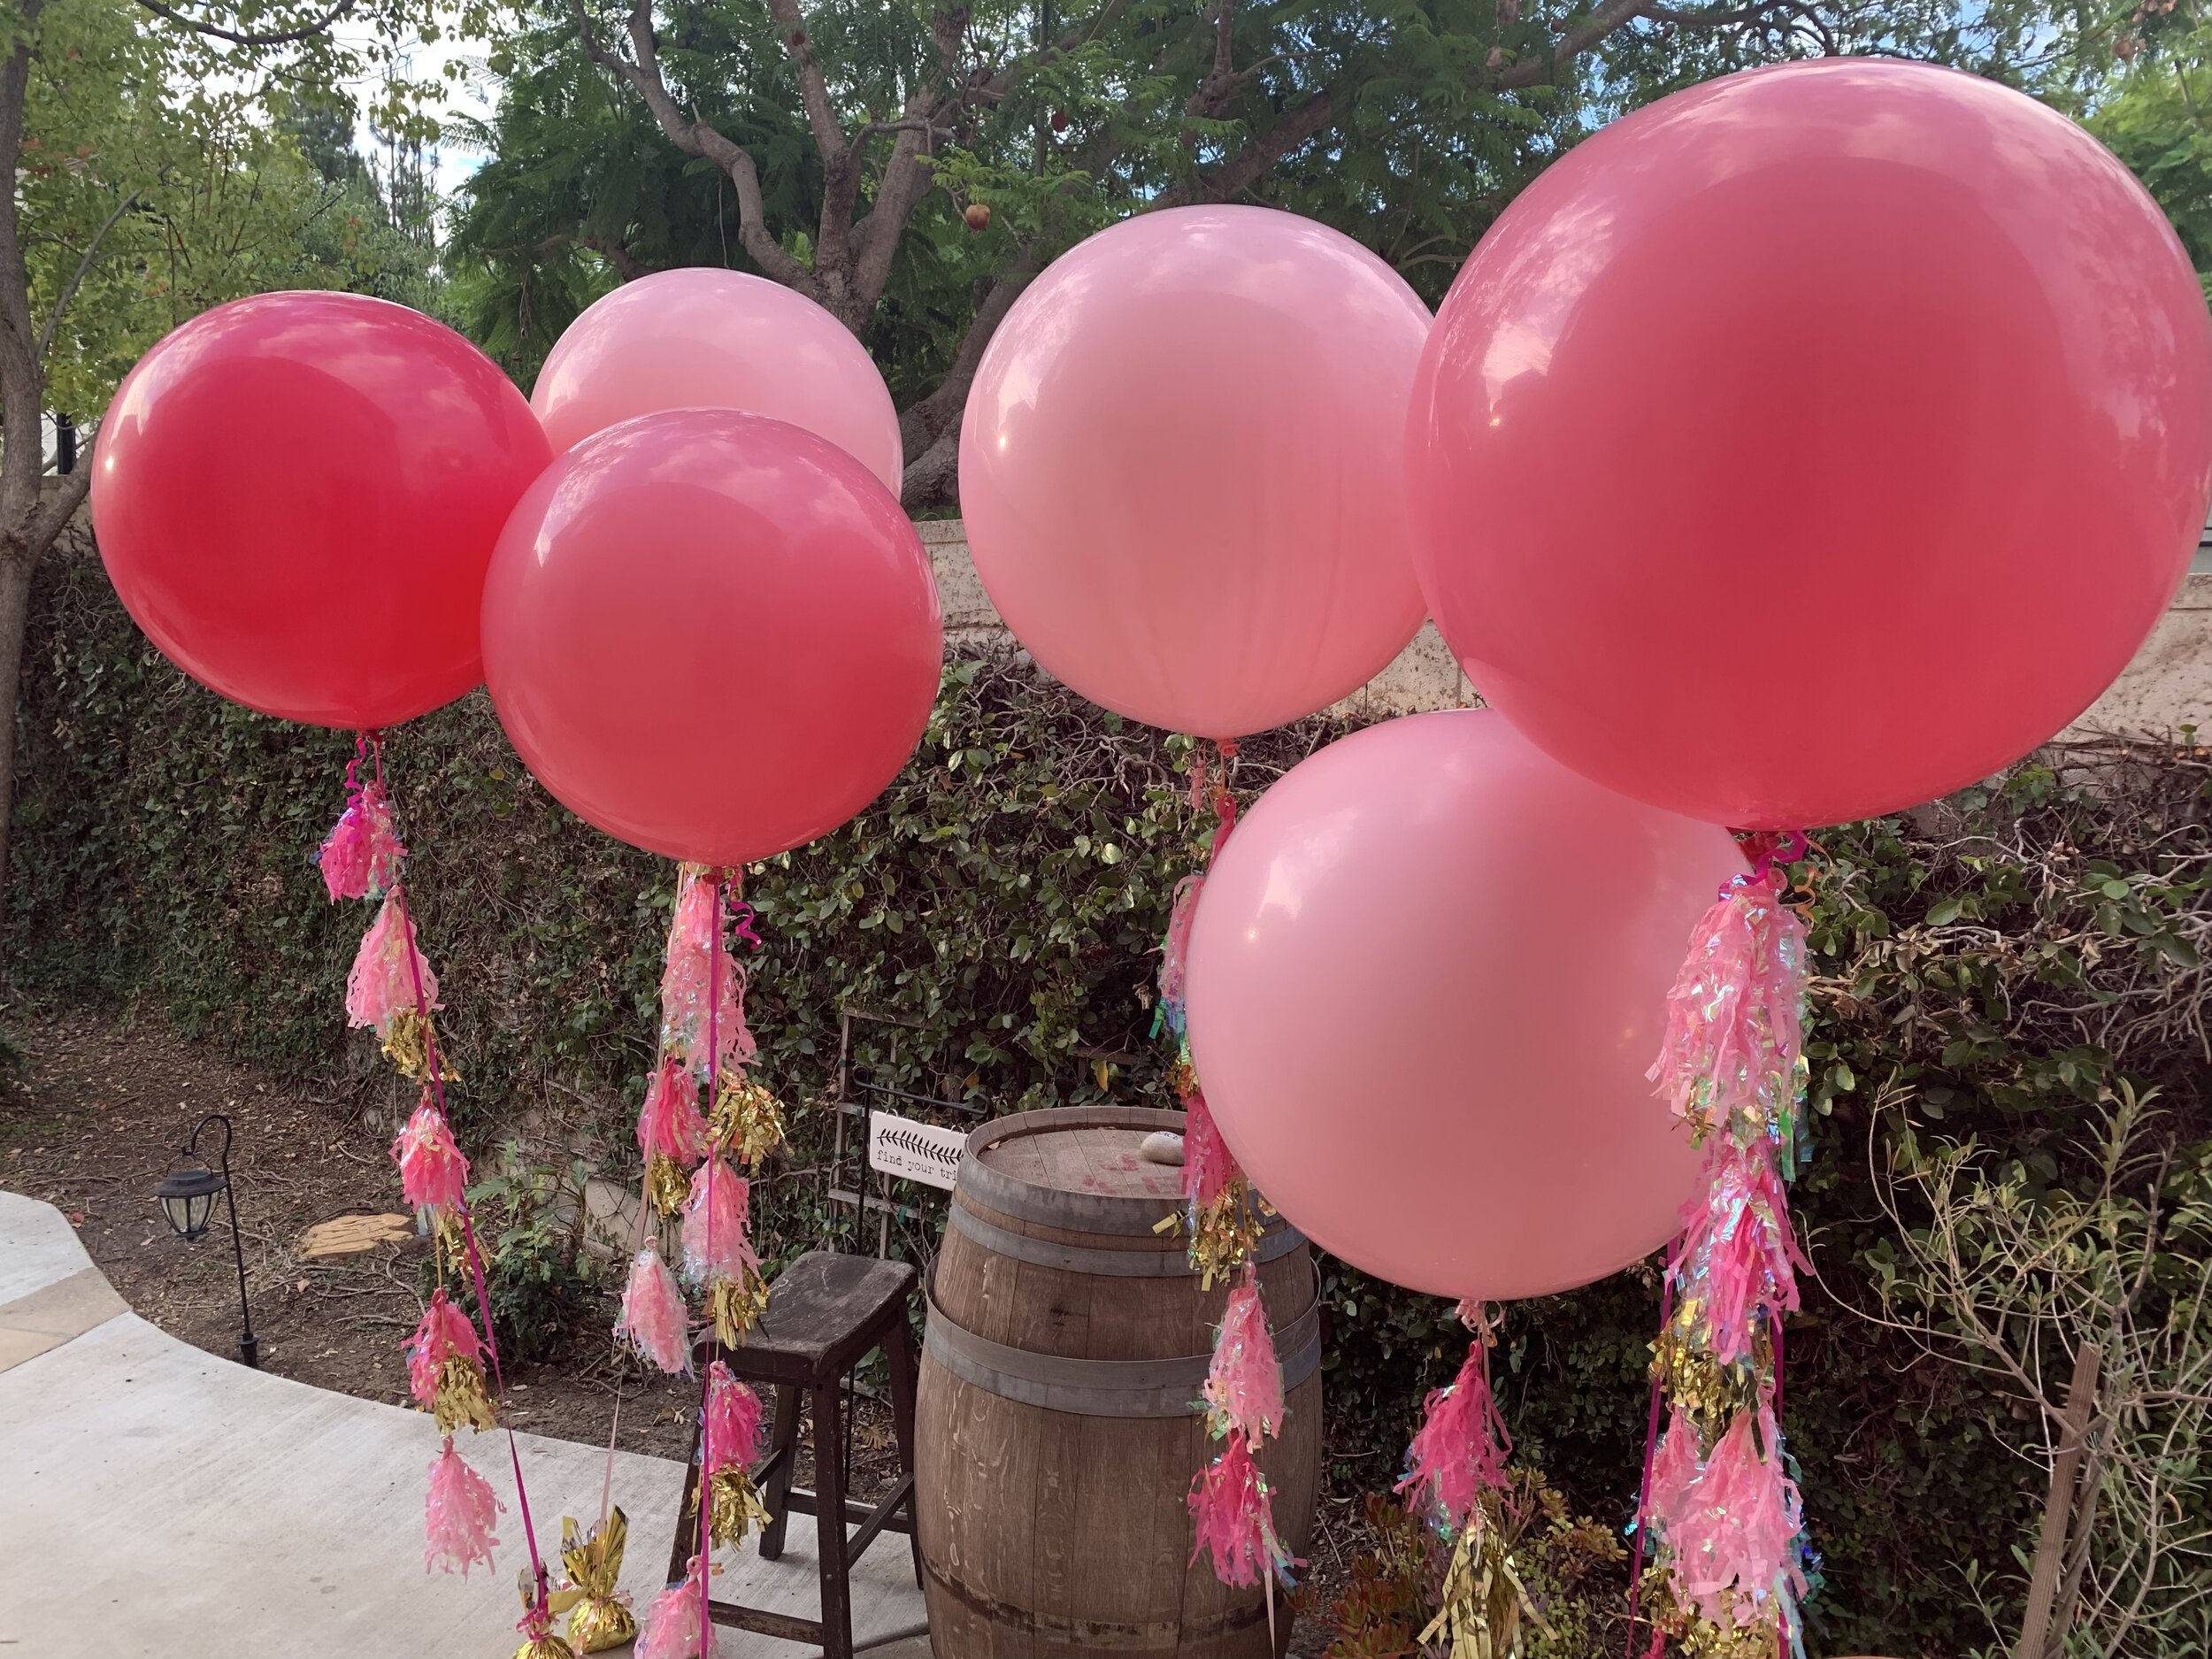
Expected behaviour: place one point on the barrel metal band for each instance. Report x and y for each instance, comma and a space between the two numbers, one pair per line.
1102, 1387
1278, 1242
1049, 1206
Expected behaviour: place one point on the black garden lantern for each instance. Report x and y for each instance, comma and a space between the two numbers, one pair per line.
188, 1199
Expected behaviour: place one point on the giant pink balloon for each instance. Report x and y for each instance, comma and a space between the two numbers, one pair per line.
1813, 442
702, 338
1428, 974
1182, 468
711, 635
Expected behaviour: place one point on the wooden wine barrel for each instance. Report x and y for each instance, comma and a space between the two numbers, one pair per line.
1055, 1438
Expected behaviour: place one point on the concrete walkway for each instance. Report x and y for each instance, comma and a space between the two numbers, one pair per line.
160, 1502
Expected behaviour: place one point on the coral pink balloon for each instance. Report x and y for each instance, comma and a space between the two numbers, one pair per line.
1813, 442
711, 635
1182, 468
1428, 974
701, 338
296, 495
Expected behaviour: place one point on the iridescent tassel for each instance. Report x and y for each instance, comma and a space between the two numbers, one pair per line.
1675, 1468
1175, 951
729, 1442
361, 855
1460, 1449
598, 1614
654, 1320
1232, 1514
1731, 1536
716, 1221
382, 983
432, 1174
1209, 1168
694, 943
1244, 1383
1735, 1034
669, 1629
1739, 1251
458, 1515
747, 1121
671, 1134
445, 1367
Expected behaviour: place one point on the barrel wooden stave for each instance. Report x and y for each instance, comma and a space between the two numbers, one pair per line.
1048, 1534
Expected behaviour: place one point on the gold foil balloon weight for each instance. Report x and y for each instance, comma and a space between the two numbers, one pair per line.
599, 1617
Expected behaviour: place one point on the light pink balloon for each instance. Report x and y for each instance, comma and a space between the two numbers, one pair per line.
1428, 973
1182, 468
702, 338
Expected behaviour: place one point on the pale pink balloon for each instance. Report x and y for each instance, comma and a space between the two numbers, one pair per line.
1428, 974
702, 338
1182, 468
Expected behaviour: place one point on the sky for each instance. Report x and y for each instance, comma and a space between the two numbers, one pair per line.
472, 95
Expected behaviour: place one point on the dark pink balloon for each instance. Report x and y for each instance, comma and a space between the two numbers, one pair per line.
711, 635
1813, 442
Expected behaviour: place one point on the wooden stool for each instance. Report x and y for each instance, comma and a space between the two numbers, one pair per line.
825, 1314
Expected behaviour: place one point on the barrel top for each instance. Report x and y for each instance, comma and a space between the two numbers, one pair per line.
1087, 1159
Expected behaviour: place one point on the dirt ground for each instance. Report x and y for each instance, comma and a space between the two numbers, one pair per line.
97, 1119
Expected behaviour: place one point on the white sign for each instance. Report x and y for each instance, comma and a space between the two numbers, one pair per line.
916, 1150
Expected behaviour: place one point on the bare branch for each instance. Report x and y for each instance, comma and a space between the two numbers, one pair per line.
60, 505
1251, 163
76, 279
284, 37
1530, 72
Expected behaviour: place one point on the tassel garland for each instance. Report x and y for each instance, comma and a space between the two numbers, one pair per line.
702, 979
382, 981
1723, 1507
1459, 1451
458, 1516
1232, 1512
654, 1320
729, 1442
671, 1134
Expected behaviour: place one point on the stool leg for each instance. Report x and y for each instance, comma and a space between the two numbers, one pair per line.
687, 1544
898, 1352
783, 1438
829, 1522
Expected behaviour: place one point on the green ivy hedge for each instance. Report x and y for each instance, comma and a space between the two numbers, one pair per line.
1991, 965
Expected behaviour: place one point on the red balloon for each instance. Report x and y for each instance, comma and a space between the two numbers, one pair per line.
1813, 442
296, 495
712, 634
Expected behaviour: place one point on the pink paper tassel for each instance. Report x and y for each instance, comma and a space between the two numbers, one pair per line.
1208, 1164
695, 939
732, 1439
654, 1319
1738, 1246
1232, 1515
669, 1629
432, 1174
1244, 1384
1461, 1446
1175, 952
1674, 1471
361, 855
1734, 1018
1733, 1532
383, 981
716, 1245
669, 1125
458, 1515
445, 1330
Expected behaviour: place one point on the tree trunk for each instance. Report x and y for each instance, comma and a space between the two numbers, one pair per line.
15, 594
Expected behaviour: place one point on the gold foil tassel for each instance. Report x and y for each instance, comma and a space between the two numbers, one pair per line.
406, 1038
1482, 1598
1228, 1232
665, 1183
460, 1397
733, 1507
747, 1118
735, 1306
598, 1617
